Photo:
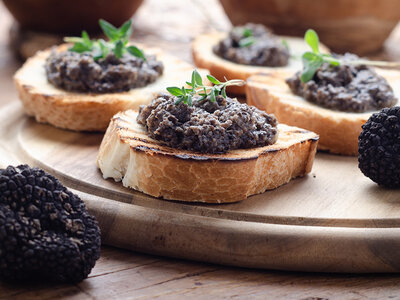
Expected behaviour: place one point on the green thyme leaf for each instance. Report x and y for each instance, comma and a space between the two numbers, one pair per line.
311, 38
247, 41
186, 95
328, 58
80, 48
109, 30
86, 39
97, 53
173, 90
197, 77
212, 96
223, 92
212, 79
104, 48
119, 49
81, 44
179, 100
117, 43
125, 31
193, 83
247, 32
311, 63
135, 51
189, 100
73, 39
285, 44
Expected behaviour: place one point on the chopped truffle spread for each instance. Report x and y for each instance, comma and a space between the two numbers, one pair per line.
208, 127
264, 48
80, 72
347, 87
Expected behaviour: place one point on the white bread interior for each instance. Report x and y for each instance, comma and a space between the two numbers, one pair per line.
128, 154
204, 57
89, 111
338, 131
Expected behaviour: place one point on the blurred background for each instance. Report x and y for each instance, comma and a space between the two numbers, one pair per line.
366, 27
359, 26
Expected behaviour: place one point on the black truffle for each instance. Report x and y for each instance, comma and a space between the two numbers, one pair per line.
379, 147
45, 230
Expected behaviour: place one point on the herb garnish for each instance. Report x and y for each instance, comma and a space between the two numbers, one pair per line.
117, 43
312, 61
248, 38
285, 44
186, 95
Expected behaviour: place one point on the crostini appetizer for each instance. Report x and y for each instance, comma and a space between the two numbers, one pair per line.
247, 50
197, 144
333, 95
82, 84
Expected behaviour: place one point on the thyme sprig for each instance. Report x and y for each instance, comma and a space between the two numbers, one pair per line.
118, 39
247, 38
312, 61
196, 87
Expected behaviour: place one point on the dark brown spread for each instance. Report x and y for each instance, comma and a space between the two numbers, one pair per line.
80, 72
267, 50
349, 88
207, 127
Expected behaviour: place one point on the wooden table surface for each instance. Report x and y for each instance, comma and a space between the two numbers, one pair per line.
121, 274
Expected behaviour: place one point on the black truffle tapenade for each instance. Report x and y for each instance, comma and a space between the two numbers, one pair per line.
80, 72
267, 50
347, 87
208, 127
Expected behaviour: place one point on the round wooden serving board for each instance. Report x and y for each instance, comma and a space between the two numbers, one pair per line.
333, 220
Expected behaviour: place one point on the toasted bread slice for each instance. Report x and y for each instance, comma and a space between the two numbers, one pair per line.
338, 131
128, 154
204, 57
88, 111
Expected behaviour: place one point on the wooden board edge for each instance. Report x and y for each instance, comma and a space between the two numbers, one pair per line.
249, 244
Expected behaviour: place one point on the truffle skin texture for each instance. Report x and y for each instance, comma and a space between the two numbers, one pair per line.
45, 230
379, 147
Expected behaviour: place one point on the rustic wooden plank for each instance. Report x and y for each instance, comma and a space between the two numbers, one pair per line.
112, 261
154, 277
332, 226
127, 283
246, 284
226, 282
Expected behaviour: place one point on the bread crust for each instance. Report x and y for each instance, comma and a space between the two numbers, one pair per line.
338, 131
88, 111
204, 57
128, 154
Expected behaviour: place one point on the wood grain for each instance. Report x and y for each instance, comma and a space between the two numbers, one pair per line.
123, 274
114, 271
334, 220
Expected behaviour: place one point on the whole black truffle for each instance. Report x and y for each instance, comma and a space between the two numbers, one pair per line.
45, 230
379, 147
